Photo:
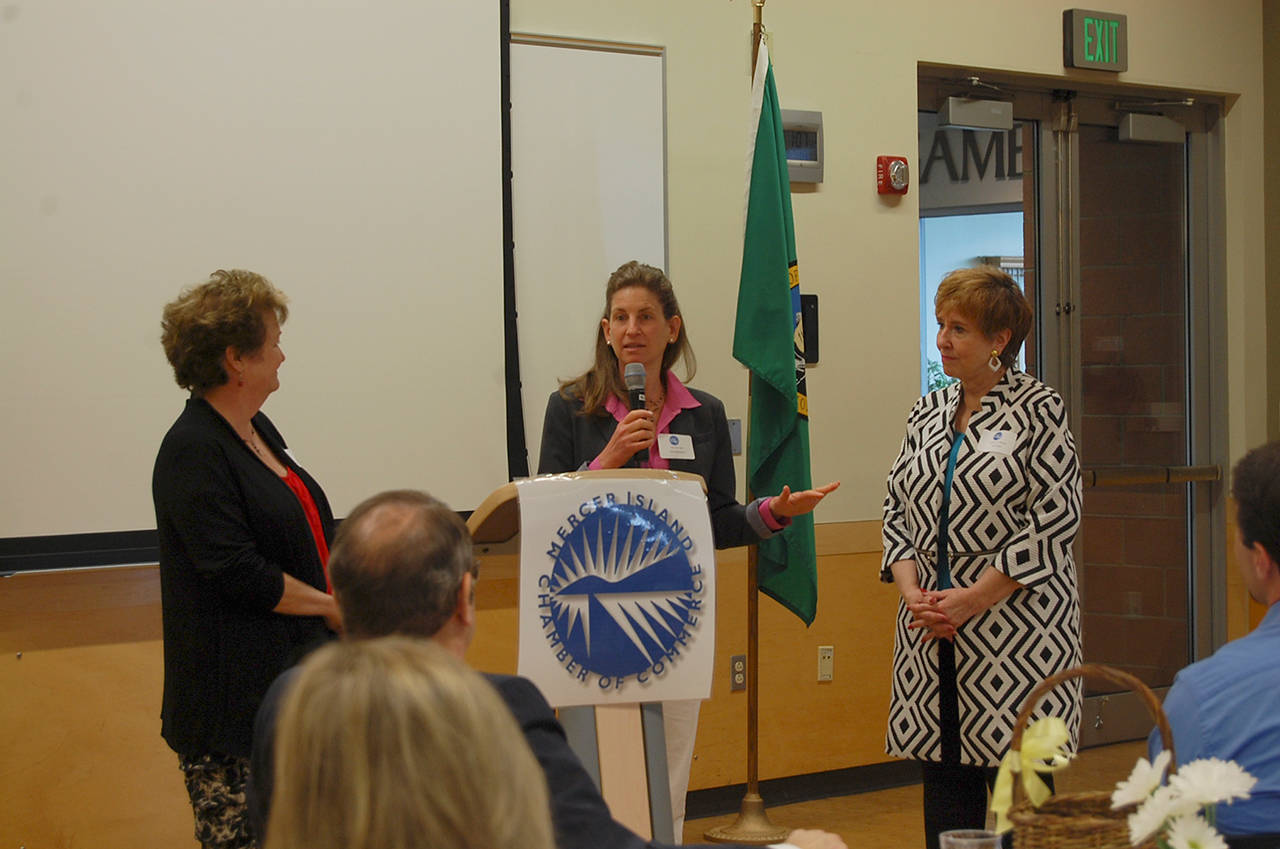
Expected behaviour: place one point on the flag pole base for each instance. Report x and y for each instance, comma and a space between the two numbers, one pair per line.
752, 826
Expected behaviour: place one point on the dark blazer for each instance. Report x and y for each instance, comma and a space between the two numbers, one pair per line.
581, 818
570, 440
229, 530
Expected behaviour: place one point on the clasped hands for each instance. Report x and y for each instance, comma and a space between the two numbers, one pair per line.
939, 613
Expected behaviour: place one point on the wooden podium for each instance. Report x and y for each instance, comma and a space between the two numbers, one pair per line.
622, 747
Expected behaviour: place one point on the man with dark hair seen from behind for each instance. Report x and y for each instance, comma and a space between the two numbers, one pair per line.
402, 563
1227, 706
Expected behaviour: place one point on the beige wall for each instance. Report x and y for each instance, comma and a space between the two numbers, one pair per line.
1271, 130
858, 253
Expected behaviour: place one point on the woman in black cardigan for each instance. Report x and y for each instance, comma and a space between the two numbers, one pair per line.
244, 534
589, 425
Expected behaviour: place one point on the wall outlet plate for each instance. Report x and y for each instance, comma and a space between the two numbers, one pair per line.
826, 662
737, 673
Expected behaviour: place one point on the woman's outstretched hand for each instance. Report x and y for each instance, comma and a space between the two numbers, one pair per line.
788, 503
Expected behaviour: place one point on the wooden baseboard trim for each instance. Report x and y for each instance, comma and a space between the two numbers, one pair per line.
721, 801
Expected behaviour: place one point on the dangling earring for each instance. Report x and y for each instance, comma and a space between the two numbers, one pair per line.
994, 363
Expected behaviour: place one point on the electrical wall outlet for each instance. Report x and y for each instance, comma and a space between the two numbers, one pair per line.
826, 662
737, 673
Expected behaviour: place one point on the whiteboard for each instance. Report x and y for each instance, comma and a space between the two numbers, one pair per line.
328, 146
588, 155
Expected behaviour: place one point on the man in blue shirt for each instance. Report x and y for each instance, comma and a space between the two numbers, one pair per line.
1228, 705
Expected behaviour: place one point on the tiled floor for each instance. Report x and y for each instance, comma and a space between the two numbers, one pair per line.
891, 818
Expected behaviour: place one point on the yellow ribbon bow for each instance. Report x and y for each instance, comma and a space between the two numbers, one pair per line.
1042, 744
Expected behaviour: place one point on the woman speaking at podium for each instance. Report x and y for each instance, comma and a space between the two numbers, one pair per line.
589, 424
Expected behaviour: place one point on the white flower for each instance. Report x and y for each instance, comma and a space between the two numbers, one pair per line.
1210, 780
1161, 805
1173, 809
1191, 831
1144, 778
1145, 821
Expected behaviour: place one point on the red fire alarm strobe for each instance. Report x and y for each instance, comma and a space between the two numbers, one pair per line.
892, 175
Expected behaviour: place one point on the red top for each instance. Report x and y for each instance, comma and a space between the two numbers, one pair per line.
313, 519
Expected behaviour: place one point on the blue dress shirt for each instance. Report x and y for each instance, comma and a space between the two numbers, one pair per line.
1228, 706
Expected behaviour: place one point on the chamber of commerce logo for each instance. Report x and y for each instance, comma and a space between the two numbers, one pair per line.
623, 595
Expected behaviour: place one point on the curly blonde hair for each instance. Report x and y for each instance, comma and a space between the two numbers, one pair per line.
227, 311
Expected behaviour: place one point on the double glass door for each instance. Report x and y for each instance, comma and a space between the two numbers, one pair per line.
1108, 240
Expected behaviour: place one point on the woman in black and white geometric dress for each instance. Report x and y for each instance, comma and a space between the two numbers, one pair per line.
983, 506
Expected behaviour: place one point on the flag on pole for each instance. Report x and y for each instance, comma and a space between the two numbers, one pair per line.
768, 339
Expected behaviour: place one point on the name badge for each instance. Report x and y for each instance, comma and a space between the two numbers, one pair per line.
998, 441
675, 446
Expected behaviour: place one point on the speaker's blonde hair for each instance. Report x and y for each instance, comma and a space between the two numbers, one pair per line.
392, 743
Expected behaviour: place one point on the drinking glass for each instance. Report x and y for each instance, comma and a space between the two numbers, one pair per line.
969, 838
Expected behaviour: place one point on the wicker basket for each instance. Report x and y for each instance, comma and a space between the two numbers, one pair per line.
1078, 820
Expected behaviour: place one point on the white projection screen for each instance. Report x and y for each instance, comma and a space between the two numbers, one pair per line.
588, 159
350, 151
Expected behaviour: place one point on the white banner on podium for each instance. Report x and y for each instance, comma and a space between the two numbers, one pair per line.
617, 589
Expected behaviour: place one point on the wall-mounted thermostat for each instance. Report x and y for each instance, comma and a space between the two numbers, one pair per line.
802, 135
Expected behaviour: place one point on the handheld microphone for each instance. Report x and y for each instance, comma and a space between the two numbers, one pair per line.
633, 376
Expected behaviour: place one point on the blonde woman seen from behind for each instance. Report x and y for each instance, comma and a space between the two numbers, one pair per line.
392, 743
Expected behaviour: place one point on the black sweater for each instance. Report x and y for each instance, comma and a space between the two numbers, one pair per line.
229, 529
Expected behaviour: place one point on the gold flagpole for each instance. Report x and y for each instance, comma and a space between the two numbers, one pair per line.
757, 31
752, 825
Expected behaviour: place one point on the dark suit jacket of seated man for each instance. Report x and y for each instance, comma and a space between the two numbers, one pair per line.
402, 563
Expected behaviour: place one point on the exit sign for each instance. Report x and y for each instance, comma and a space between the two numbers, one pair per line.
1097, 40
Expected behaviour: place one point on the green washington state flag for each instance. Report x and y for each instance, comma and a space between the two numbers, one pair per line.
768, 340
